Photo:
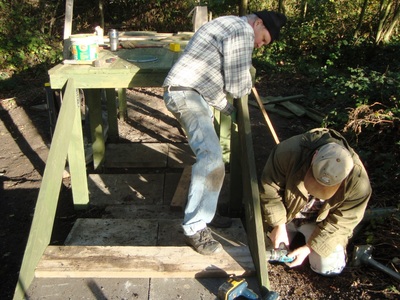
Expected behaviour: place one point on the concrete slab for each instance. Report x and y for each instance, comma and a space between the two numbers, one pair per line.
113, 232
190, 289
145, 232
89, 288
180, 155
158, 212
129, 288
170, 233
136, 155
111, 189
170, 185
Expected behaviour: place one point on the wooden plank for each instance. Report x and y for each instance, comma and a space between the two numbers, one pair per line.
142, 262
110, 78
179, 199
93, 101
273, 108
314, 116
236, 186
295, 108
77, 163
77, 62
43, 219
278, 99
123, 111
113, 135
254, 224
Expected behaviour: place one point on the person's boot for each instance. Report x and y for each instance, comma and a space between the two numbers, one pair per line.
220, 221
203, 242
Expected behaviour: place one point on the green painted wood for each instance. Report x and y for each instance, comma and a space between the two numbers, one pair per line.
123, 111
122, 73
217, 120
93, 101
77, 163
236, 186
112, 80
46, 205
113, 134
251, 194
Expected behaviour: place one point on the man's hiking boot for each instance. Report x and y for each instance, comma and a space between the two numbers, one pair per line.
220, 221
203, 242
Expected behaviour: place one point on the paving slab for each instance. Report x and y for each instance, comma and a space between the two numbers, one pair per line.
180, 155
89, 288
129, 288
145, 232
191, 289
127, 211
111, 189
113, 232
136, 155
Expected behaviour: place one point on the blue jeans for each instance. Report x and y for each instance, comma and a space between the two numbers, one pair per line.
196, 118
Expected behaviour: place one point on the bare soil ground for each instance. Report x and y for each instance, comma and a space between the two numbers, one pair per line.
24, 144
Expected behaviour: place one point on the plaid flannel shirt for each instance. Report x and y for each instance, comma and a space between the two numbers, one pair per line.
217, 61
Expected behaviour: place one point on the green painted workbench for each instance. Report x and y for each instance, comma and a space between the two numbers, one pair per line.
113, 71
126, 71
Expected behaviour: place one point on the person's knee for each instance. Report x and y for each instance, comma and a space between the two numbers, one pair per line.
218, 171
331, 265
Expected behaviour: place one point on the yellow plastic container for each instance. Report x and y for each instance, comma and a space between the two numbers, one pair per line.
176, 47
84, 46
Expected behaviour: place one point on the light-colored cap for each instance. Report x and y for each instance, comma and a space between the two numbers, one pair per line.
330, 165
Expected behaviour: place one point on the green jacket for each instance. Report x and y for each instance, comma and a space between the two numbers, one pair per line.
282, 191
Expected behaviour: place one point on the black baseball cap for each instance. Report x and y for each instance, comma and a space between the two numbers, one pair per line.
273, 21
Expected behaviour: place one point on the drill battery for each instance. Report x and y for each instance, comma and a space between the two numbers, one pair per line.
235, 287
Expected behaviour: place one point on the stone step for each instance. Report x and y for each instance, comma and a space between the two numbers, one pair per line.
142, 262
148, 155
145, 232
141, 248
142, 189
130, 288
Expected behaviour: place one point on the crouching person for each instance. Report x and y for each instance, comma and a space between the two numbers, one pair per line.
316, 185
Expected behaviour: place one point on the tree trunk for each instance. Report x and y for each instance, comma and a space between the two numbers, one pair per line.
386, 22
304, 4
243, 6
101, 9
281, 6
391, 28
361, 18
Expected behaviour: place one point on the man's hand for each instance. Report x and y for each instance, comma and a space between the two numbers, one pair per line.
279, 235
253, 75
233, 116
300, 255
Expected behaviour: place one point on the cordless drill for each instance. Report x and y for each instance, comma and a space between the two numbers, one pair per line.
237, 287
279, 255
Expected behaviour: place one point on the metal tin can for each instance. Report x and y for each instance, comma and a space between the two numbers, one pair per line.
113, 35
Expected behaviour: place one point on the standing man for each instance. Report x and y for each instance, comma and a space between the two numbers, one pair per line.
315, 184
216, 62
